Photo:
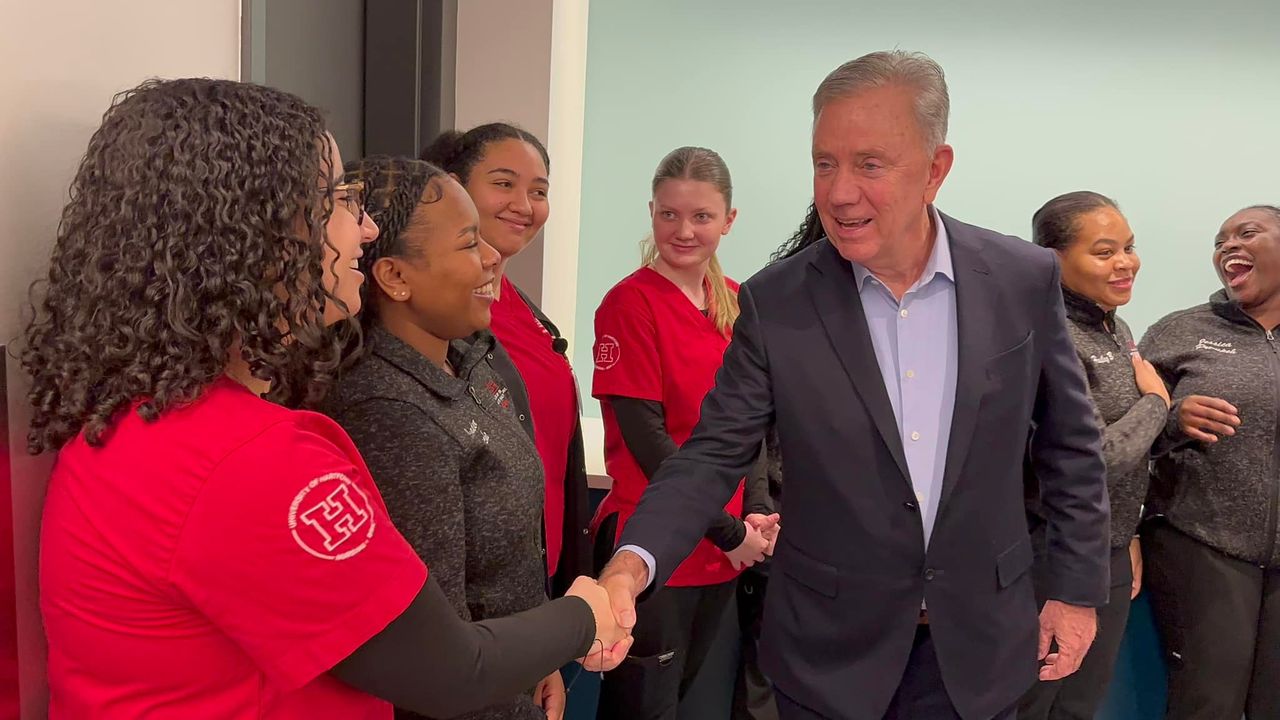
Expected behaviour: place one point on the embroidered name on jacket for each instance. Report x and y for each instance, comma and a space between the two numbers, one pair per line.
1103, 359
1223, 347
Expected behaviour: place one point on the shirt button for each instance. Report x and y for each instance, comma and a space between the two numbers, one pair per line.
911, 373
915, 436
903, 312
929, 574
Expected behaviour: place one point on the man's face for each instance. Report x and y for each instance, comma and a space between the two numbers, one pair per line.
874, 177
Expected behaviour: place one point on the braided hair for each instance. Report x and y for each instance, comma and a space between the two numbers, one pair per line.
395, 187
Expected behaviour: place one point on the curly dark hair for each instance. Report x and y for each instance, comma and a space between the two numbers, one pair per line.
395, 187
809, 232
458, 152
196, 225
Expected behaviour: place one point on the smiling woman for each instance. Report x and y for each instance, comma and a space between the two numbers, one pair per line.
435, 422
1099, 263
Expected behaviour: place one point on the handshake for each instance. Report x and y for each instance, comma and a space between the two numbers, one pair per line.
613, 597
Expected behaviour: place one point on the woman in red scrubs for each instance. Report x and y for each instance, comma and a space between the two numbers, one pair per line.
205, 551
661, 334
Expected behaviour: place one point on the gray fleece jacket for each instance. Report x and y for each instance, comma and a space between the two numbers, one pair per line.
1130, 421
460, 477
1224, 494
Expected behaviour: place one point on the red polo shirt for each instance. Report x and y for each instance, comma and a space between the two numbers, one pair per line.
553, 401
216, 563
653, 344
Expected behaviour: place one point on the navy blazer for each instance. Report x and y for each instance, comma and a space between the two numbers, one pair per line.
851, 568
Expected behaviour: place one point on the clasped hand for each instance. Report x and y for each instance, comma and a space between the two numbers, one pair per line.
613, 639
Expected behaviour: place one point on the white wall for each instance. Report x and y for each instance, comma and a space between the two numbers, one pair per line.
61, 61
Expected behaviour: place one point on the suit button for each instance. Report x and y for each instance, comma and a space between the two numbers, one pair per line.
929, 574
910, 505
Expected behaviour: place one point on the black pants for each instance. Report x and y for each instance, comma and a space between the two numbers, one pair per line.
675, 627
920, 694
753, 692
1078, 696
1219, 621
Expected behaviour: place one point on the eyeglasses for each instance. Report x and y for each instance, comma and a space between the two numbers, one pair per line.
351, 196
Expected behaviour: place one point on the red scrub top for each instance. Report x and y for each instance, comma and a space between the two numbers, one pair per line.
216, 563
653, 344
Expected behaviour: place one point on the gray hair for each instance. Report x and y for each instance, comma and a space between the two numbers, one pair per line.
894, 67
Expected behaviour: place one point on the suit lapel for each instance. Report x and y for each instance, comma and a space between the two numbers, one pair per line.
976, 310
834, 292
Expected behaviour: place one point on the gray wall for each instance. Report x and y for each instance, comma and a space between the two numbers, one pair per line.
314, 48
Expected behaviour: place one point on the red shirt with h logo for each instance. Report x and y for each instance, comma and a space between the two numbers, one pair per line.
216, 563
653, 344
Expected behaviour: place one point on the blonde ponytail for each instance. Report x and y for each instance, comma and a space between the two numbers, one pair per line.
724, 301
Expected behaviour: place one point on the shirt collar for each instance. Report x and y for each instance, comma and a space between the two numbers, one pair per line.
464, 356
939, 262
1083, 310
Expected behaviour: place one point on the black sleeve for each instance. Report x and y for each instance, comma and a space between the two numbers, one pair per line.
644, 430
756, 497
433, 663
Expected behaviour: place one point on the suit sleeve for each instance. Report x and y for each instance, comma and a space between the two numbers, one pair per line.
644, 431
1066, 455
692, 487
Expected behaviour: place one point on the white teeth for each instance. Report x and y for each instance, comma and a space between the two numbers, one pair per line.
1236, 263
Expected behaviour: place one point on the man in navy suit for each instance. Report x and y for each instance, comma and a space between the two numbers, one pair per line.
910, 363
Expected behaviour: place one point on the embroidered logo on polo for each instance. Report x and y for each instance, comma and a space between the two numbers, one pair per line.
1103, 359
1225, 348
607, 352
500, 394
331, 518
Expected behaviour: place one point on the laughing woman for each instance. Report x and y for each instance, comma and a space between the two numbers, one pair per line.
1212, 548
